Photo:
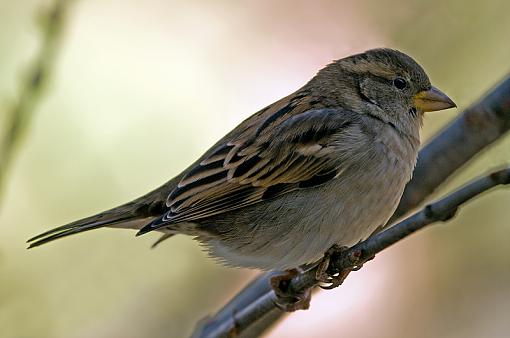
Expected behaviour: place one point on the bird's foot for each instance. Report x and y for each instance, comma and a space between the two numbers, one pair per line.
331, 279
289, 301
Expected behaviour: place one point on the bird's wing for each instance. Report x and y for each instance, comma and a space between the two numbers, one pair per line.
297, 152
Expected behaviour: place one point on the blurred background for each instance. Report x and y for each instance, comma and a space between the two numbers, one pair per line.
142, 88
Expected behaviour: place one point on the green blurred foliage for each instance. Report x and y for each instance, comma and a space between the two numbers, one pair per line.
143, 88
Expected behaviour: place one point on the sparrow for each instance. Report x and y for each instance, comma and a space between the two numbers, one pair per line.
323, 167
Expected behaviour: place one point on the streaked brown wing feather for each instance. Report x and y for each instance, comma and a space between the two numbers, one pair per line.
244, 171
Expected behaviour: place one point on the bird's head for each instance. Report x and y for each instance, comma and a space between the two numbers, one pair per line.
385, 83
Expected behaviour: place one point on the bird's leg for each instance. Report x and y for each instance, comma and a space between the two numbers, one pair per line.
289, 301
323, 276
336, 278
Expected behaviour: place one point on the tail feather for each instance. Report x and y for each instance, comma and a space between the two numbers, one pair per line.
132, 215
163, 238
83, 225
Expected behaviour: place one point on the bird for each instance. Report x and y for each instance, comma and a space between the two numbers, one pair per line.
321, 168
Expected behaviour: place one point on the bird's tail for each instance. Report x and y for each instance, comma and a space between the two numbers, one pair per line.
132, 215
117, 217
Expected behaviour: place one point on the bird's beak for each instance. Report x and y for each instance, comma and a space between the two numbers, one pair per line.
432, 100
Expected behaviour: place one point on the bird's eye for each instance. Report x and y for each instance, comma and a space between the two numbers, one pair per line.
400, 83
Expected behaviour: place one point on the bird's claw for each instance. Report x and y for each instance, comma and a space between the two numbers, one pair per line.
285, 300
322, 275
335, 278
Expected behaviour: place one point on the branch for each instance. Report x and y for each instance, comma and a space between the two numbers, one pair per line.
471, 132
354, 257
20, 114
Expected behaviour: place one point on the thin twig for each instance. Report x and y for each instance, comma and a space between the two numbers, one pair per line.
20, 114
352, 258
474, 130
